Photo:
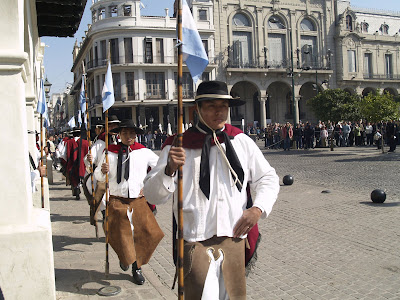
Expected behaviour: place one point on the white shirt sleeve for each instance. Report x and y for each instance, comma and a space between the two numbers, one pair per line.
264, 182
159, 187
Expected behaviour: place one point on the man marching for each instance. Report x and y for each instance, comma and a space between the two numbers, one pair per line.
133, 231
75, 149
93, 157
219, 162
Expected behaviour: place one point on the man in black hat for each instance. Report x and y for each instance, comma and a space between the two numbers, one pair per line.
219, 163
132, 230
93, 157
75, 149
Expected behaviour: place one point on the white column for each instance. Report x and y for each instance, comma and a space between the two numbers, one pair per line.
263, 113
26, 251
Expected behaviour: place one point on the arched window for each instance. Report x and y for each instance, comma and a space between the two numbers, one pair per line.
242, 50
275, 22
241, 20
308, 43
307, 25
349, 22
277, 53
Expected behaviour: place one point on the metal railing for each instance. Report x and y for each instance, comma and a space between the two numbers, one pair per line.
276, 64
136, 59
381, 76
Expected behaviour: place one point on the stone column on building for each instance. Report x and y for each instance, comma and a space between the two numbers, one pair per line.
263, 110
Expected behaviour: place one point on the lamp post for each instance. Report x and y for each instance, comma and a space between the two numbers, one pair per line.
47, 86
151, 120
290, 70
295, 107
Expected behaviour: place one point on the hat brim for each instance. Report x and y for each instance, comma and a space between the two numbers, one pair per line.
231, 101
118, 129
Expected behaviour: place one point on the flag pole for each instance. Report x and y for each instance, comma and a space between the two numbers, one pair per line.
180, 173
90, 151
107, 267
41, 158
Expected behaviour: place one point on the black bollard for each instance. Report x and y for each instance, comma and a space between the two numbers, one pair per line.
288, 180
378, 196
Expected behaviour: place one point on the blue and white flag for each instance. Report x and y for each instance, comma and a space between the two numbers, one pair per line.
82, 99
42, 105
108, 90
71, 122
79, 118
193, 50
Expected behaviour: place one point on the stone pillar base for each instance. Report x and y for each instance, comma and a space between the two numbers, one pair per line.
26, 259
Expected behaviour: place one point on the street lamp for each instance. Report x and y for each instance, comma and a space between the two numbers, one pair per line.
290, 70
151, 120
47, 87
309, 52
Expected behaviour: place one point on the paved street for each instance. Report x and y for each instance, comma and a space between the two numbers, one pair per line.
316, 244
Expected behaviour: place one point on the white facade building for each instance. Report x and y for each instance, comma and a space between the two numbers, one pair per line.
143, 62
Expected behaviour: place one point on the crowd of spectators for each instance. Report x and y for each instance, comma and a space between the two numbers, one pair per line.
344, 134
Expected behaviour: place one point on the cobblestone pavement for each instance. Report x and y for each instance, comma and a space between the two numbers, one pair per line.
316, 244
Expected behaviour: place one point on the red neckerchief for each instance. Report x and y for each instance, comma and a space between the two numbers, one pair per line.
194, 139
102, 136
134, 146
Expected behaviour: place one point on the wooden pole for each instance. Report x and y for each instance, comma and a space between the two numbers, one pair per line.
107, 271
107, 200
41, 158
180, 173
90, 145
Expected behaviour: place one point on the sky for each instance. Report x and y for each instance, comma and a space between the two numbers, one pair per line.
58, 53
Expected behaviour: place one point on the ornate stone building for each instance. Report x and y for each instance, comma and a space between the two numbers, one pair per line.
275, 55
367, 48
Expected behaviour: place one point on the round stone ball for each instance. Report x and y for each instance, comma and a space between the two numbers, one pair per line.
288, 180
378, 196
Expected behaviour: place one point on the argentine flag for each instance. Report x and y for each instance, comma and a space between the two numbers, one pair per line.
42, 105
71, 122
193, 50
108, 90
79, 118
82, 99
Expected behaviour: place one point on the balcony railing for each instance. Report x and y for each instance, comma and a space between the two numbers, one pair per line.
185, 94
275, 64
119, 97
138, 59
381, 76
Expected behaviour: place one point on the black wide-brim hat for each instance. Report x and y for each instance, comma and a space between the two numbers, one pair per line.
216, 90
127, 124
76, 130
113, 119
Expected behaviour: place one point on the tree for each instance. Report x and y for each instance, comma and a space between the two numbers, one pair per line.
335, 105
376, 107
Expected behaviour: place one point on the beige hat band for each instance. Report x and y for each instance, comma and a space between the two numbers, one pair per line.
215, 96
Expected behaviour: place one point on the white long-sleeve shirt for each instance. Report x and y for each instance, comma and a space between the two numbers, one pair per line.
205, 218
96, 150
139, 162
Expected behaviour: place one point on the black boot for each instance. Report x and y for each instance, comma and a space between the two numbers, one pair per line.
123, 267
137, 274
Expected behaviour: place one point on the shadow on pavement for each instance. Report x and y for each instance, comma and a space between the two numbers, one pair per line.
383, 157
61, 242
387, 204
74, 219
73, 280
